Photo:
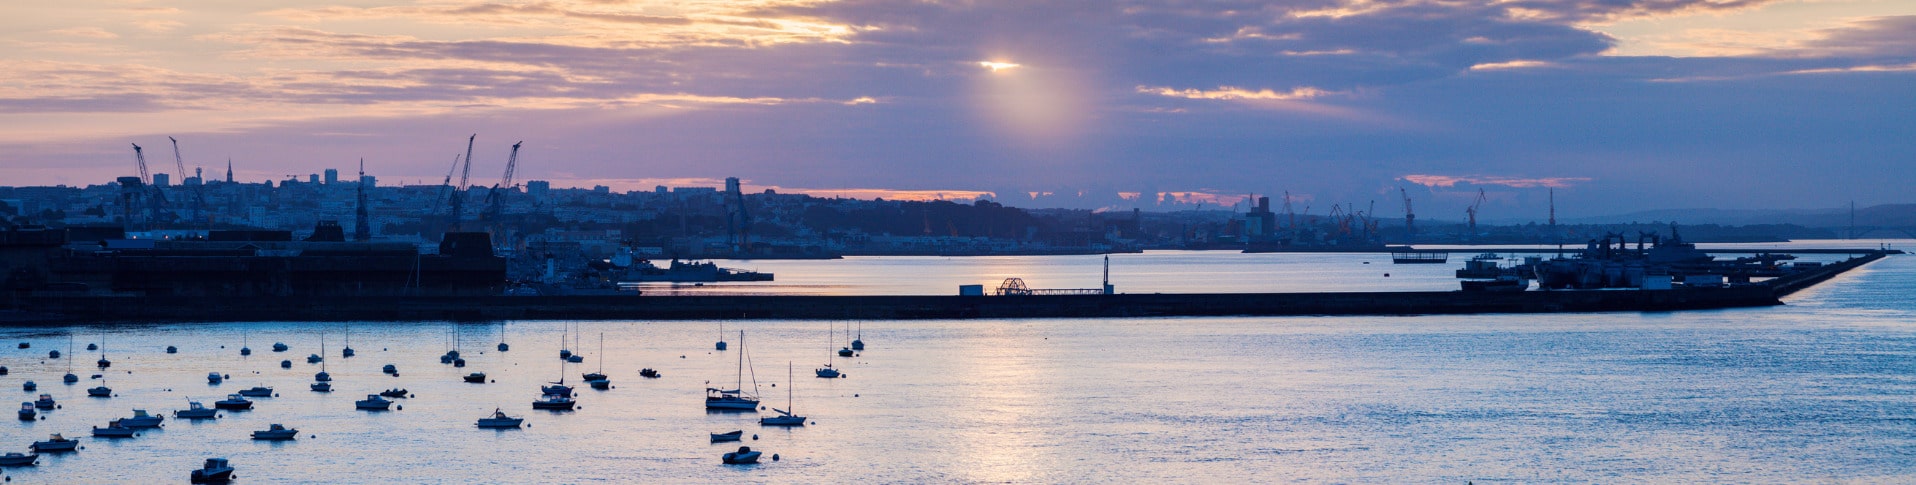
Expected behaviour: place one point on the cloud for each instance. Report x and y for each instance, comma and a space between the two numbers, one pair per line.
1234, 93
1514, 182
85, 32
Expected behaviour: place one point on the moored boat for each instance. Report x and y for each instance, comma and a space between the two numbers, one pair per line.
233, 401
476, 377
727, 436
554, 401
257, 391
195, 410
54, 444
18, 459
113, 432
373, 402
276, 432
27, 412
141, 419
214, 471
744, 455
45, 402
499, 419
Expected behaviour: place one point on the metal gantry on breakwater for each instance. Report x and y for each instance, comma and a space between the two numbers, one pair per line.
68, 309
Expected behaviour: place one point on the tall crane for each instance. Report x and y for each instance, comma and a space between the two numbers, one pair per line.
362, 222
496, 198
133, 190
444, 186
199, 196
459, 191
1410, 218
1472, 210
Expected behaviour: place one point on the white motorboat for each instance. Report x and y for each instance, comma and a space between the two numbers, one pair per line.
276, 432
257, 391
141, 419
784, 418
499, 419
214, 471
735, 398
54, 444
745, 455
195, 410
373, 402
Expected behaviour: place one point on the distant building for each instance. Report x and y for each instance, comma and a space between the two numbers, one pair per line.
660, 189
332, 176
369, 181
162, 180
694, 190
538, 189
601, 189
312, 178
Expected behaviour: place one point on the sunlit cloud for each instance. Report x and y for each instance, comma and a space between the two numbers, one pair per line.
1521, 64
1234, 93
86, 32
1515, 182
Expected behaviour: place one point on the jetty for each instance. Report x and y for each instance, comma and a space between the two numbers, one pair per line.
72, 309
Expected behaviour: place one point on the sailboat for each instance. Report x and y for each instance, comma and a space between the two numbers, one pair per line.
103, 362
244, 350
859, 343
502, 338
70, 378
348, 351
576, 357
322, 380
559, 388
564, 353
784, 418
598, 379
735, 398
827, 371
721, 341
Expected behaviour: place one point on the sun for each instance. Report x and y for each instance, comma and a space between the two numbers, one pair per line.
997, 66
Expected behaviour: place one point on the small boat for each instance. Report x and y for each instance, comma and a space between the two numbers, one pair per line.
459, 362
172, 350
3, 370
373, 402
45, 402
70, 378
103, 363
214, 471
286, 364
53, 354
321, 387
556, 388
54, 444
649, 372
195, 410
845, 352
322, 376
279, 347
393, 393
233, 401
575, 358
214, 378
499, 419
17, 459
744, 455
348, 351
721, 340
784, 418
389, 369
313, 358
734, 398
92, 347
101, 391
141, 419
476, 378
858, 343
502, 338
25, 345
828, 371
112, 431
600, 374
257, 391
600, 384
29, 386
27, 411
554, 401
727, 436
276, 432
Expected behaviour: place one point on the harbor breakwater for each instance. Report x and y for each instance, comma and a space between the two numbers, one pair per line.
76, 309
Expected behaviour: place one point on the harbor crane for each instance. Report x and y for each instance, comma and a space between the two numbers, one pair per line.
496, 198
1410, 218
199, 195
458, 201
1472, 210
444, 186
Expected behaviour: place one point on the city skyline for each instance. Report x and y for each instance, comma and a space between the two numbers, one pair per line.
1617, 106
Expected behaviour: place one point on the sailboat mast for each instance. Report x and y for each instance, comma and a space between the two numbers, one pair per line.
601, 352
741, 361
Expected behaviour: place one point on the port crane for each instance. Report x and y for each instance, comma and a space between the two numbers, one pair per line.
496, 198
1410, 218
199, 196
458, 202
1471, 212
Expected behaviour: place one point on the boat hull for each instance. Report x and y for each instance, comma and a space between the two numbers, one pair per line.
236, 406
782, 421
500, 423
740, 458
276, 435
731, 404
20, 460
54, 446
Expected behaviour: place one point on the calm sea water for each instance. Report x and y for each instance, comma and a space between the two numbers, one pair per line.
1823, 389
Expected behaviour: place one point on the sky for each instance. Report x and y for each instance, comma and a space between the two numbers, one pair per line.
1609, 106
